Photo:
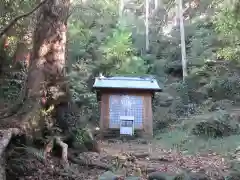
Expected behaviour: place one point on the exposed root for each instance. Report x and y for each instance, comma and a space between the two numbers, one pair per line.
68, 156
98, 165
141, 155
48, 148
6, 136
64, 147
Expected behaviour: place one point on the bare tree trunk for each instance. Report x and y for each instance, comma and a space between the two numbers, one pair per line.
183, 46
121, 7
158, 4
147, 24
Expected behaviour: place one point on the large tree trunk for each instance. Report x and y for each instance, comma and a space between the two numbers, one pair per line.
2, 52
47, 64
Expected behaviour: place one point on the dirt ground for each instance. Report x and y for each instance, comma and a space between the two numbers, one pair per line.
148, 157
151, 157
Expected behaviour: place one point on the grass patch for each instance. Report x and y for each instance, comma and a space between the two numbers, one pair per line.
183, 140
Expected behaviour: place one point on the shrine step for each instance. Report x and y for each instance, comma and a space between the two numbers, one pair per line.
115, 133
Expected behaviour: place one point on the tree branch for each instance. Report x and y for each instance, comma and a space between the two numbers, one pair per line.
13, 22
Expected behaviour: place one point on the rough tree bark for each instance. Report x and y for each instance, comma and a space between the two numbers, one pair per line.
46, 68
48, 57
22, 52
46, 73
2, 52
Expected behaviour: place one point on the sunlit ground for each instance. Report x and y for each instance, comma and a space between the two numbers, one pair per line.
183, 141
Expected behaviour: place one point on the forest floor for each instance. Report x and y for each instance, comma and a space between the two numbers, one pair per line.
149, 156
172, 151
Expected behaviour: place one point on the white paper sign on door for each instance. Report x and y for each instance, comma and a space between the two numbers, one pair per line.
126, 131
127, 125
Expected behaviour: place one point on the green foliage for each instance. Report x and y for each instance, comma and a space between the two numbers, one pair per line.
79, 77
10, 8
89, 26
228, 27
118, 46
221, 124
82, 136
182, 139
119, 54
101, 42
12, 84
224, 88
98, 44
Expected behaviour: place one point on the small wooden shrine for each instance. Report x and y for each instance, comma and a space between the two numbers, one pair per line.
126, 104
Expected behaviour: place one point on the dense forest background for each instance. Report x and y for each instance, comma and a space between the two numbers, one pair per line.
50, 55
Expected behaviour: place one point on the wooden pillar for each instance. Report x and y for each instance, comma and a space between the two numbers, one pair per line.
104, 117
148, 117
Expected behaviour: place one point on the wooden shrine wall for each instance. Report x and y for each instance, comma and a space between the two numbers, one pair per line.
146, 126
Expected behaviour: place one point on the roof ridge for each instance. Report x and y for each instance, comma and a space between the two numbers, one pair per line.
127, 82
128, 79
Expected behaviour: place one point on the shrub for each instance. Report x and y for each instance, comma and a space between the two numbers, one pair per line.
224, 88
210, 105
219, 125
178, 107
163, 121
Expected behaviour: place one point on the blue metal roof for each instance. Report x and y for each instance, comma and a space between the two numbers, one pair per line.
120, 82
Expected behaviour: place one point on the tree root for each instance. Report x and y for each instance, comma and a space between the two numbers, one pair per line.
141, 155
64, 146
67, 156
6, 136
97, 165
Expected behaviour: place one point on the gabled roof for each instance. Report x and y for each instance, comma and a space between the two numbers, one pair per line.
122, 82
